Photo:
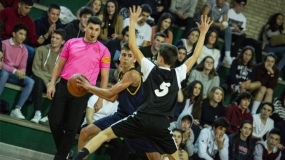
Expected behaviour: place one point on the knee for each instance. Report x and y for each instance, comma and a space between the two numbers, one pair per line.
262, 90
269, 91
84, 133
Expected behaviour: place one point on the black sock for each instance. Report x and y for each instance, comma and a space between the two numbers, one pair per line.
81, 154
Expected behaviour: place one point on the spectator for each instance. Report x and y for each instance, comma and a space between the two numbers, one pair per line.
8, 3
181, 57
262, 124
158, 7
266, 76
212, 107
212, 142
206, 73
268, 149
183, 13
281, 127
242, 75
150, 52
274, 27
112, 22
217, 9
184, 122
143, 30
76, 28
1, 51
14, 67
163, 25
178, 137
241, 145
190, 42
114, 46
211, 48
64, 106
45, 59
96, 5
279, 105
237, 23
47, 24
238, 111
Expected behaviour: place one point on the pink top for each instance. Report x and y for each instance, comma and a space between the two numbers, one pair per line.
167, 40
14, 57
84, 58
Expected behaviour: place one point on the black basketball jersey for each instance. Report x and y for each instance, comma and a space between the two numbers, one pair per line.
161, 87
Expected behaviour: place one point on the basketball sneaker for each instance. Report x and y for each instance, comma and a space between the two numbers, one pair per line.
16, 113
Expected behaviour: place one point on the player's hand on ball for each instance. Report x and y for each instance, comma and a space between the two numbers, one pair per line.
82, 81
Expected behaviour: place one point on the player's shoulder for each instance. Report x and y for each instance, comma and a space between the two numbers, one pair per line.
134, 74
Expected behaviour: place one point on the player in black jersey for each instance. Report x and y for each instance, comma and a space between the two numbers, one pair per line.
161, 85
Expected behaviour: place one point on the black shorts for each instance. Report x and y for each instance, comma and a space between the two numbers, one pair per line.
153, 127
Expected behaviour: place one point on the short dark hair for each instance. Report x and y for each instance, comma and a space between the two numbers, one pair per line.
221, 122
27, 2
161, 34
275, 131
61, 32
243, 95
125, 29
169, 53
53, 6
94, 20
86, 10
188, 118
244, 1
269, 104
125, 46
20, 26
146, 8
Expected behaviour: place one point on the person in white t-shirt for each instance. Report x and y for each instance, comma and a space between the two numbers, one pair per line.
262, 124
143, 30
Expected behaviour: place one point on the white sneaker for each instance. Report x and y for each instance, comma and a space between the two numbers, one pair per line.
16, 113
37, 118
44, 121
228, 60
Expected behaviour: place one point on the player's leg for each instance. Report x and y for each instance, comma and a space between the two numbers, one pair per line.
86, 134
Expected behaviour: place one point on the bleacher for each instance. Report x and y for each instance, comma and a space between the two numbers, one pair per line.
36, 137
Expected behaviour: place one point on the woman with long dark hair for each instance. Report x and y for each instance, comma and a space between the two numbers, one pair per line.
190, 42
241, 145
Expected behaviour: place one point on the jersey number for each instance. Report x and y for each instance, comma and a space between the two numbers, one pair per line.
164, 87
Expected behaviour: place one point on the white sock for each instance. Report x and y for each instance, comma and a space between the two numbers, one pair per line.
38, 112
255, 106
228, 53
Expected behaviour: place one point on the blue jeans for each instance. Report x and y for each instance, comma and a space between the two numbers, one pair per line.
27, 83
279, 51
225, 34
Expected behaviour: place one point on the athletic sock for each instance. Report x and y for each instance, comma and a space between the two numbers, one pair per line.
255, 106
81, 154
228, 53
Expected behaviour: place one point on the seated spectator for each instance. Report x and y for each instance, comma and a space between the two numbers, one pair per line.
190, 42
242, 75
184, 122
150, 52
114, 46
205, 73
143, 29
212, 142
183, 13
212, 107
238, 111
45, 59
12, 16
217, 9
158, 7
163, 25
241, 145
14, 67
267, 77
274, 27
8, 3
48, 23
279, 105
112, 22
96, 5
281, 145
262, 124
268, 149
211, 48
237, 23
76, 28
181, 57
1, 51
178, 137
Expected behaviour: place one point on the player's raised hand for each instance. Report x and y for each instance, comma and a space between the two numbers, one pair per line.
206, 22
135, 14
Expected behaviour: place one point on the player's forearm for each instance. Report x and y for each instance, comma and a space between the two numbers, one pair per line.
55, 74
199, 46
132, 36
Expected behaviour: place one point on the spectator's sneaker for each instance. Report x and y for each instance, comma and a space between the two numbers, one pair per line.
16, 113
44, 121
228, 60
37, 118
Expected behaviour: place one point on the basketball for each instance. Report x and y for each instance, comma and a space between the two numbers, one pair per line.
73, 88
